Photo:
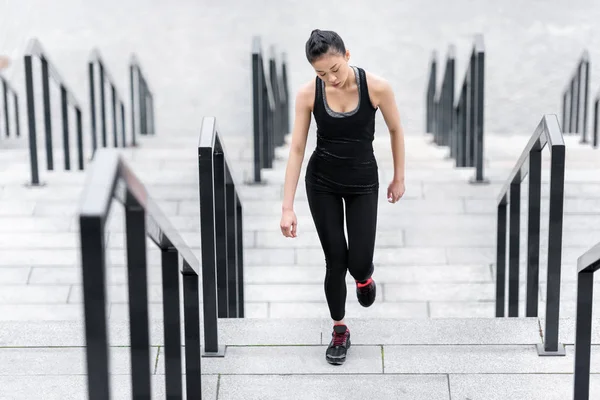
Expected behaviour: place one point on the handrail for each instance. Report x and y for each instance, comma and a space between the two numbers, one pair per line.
430, 104
587, 264
35, 49
118, 117
467, 144
270, 107
221, 232
145, 100
7, 89
573, 112
459, 123
111, 178
547, 133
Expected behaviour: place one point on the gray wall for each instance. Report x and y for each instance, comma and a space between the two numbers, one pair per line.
197, 53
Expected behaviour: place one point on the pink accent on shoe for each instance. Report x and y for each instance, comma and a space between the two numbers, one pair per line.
367, 283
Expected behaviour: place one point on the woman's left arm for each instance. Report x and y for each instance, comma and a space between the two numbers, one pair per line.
387, 103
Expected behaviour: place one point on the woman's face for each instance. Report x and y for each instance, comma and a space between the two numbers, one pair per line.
333, 68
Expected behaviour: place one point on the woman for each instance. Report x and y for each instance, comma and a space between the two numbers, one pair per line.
344, 100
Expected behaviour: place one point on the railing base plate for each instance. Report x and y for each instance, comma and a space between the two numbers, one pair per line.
210, 354
560, 352
474, 181
37, 185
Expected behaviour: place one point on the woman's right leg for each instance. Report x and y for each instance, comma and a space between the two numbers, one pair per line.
328, 215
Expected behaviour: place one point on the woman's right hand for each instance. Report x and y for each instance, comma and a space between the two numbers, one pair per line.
288, 223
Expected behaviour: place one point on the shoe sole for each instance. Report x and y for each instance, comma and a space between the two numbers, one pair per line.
338, 360
374, 296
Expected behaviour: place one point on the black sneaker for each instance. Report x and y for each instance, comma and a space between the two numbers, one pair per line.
365, 292
339, 345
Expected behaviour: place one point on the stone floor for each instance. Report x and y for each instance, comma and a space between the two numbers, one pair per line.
477, 359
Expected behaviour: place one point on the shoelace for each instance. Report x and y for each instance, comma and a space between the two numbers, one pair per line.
339, 338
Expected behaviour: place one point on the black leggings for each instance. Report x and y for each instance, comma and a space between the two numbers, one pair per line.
355, 256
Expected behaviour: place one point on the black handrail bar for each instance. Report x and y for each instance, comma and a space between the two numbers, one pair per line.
587, 264
145, 99
118, 111
111, 178
547, 132
34, 49
572, 109
221, 232
596, 111
430, 105
444, 101
7, 89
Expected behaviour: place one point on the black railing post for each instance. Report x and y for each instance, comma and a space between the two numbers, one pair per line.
172, 323
555, 228
277, 115
220, 197
103, 106
286, 92
257, 108
231, 230
514, 246
596, 111
114, 116
33, 155
587, 264
586, 87
135, 221
209, 219
240, 256
17, 118
430, 95
6, 114
583, 335
79, 137
93, 263
132, 94
47, 114
501, 258
92, 86
65, 124
191, 309
533, 231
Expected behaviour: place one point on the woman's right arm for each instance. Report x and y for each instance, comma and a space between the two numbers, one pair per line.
296, 156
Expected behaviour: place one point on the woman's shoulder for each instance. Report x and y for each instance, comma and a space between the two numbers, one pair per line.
376, 83
306, 93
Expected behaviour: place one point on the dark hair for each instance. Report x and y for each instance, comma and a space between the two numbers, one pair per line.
322, 42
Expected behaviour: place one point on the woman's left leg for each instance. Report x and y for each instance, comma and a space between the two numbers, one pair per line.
361, 222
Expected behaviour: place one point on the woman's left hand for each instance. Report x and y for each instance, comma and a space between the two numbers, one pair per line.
395, 191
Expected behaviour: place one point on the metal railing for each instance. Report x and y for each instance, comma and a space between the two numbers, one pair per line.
34, 49
270, 96
117, 105
221, 232
575, 99
444, 103
430, 104
142, 100
530, 162
9, 94
459, 123
587, 264
110, 178
467, 142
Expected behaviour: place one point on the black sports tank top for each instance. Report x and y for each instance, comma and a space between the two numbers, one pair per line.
343, 160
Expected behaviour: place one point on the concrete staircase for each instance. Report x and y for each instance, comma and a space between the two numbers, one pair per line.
430, 335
